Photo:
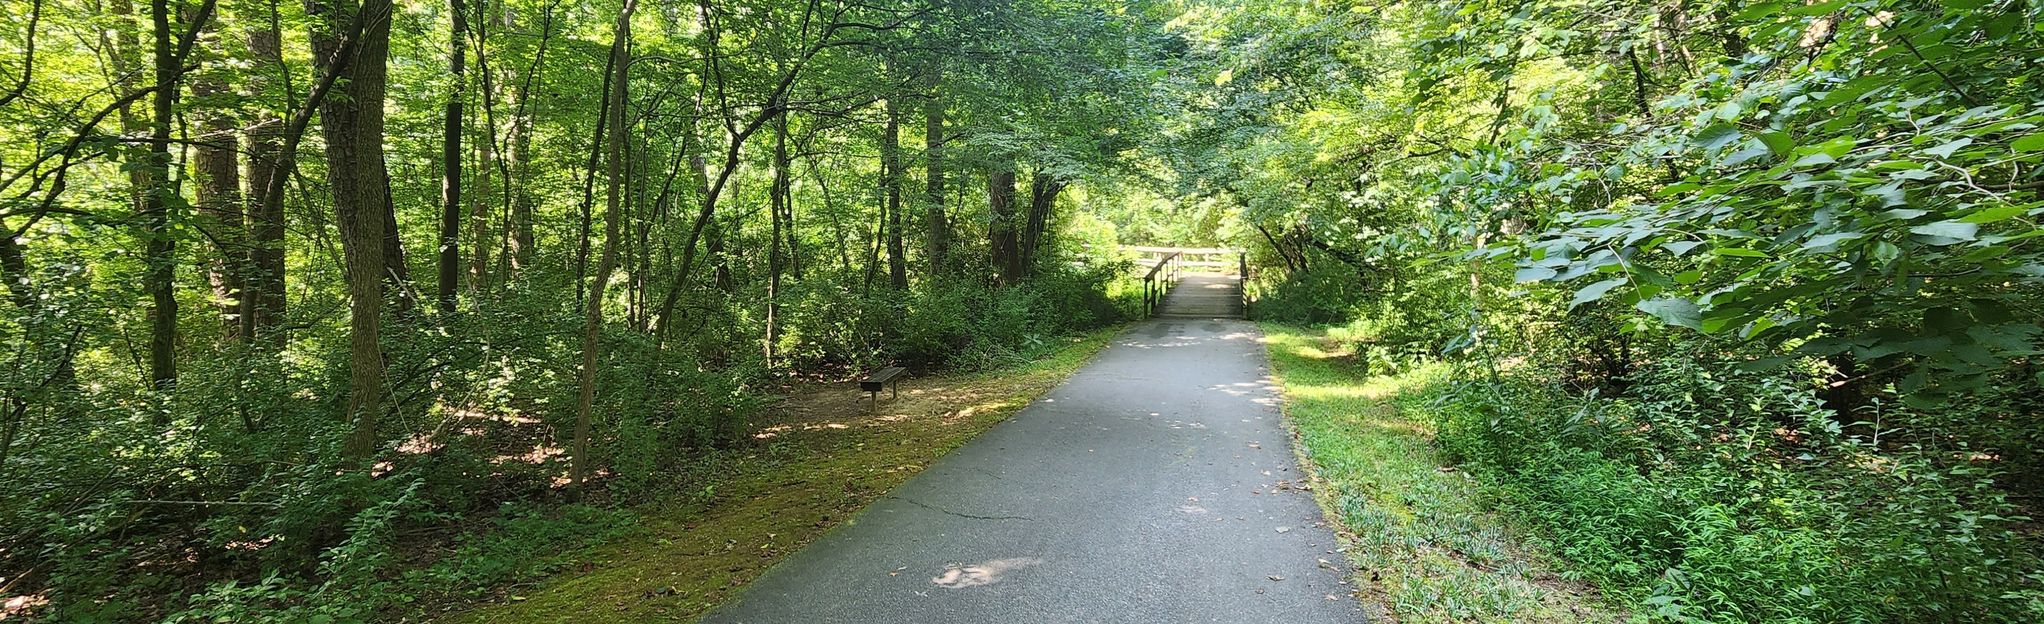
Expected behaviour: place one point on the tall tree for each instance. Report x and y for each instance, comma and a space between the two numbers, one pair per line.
451, 158
613, 212
1044, 188
890, 181
217, 165
262, 295
159, 279
353, 128
1004, 237
936, 224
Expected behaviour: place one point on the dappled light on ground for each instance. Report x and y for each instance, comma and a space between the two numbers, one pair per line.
979, 574
824, 454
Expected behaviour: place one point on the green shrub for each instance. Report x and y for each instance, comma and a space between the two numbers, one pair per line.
1712, 494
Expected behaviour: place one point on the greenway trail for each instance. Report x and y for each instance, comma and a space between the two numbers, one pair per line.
1154, 485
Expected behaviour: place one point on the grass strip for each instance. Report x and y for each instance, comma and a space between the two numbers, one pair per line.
1427, 548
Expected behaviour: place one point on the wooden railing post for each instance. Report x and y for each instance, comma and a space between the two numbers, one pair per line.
1242, 280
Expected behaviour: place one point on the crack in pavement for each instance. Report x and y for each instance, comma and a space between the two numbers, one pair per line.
942, 510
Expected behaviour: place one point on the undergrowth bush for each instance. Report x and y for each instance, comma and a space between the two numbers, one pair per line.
1709, 493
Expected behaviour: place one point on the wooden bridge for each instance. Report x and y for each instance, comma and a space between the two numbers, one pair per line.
1194, 282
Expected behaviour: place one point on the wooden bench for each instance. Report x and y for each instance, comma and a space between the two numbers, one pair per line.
889, 377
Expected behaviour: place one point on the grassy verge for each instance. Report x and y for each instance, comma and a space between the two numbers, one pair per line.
1427, 548
821, 458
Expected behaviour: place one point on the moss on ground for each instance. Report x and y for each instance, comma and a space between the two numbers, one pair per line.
820, 462
1427, 548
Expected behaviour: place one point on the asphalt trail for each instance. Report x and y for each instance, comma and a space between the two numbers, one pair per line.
1150, 487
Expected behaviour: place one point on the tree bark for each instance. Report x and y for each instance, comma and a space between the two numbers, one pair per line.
890, 180
396, 272
596, 148
1004, 240
159, 279
592, 320
262, 300
517, 149
451, 160
936, 225
353, 128
1043, 191
220, 202
778, 200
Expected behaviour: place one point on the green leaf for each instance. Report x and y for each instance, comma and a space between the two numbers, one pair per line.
1829, 242
1994, 214
1944, 320
1533, 274
1945, 151
1836, 148
1948, 232
1779, 142
1738, 252
1673, 311
2027, 144
1595, 291
1717, 136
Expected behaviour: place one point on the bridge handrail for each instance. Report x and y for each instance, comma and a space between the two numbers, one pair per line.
1160, 265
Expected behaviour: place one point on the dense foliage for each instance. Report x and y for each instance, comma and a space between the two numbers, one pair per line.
319, 311
1744, 292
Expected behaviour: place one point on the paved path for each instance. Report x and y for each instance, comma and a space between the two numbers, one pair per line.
1145, 489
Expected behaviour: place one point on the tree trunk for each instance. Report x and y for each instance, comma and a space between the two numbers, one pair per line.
890, 181
589, 184
353, 128
936, 225
778, 198
262, 300
1043, 191
1004, 241
592, 320
396, 271
221, 205
720, 260
161, 254
451, 160
518, 149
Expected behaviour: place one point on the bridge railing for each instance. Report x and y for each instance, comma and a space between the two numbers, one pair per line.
1158, 281
1165, 265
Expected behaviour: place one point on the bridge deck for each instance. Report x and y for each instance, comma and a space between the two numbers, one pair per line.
1204, 295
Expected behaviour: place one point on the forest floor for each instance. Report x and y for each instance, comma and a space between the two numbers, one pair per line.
1427, 547
821, 455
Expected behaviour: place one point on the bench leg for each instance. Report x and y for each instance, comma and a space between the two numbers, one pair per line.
896, 386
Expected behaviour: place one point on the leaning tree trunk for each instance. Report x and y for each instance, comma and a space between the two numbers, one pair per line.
592, 320
352, 125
